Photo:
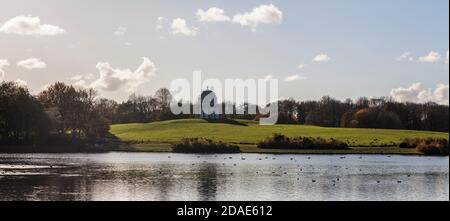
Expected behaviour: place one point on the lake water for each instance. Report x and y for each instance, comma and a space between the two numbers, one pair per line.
175, 177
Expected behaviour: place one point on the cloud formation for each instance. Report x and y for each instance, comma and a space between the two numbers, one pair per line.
301, 66
407, 56
418, 94
263, 14
180, 27
3, 64
113, 79
322, 58
32, 63
27, 25
120, 31
294, 78
212, 15
432, 57
160, 23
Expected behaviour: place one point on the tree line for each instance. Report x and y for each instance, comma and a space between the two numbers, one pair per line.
59, 113
383, 113
63, 112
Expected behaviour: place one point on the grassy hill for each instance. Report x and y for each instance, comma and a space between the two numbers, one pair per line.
158, 136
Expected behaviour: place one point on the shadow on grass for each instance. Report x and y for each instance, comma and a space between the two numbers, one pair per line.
226, 121
111, 142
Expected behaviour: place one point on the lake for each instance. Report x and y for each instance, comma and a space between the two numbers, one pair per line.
235, 177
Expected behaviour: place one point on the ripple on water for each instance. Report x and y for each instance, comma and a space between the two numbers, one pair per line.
142, 176
27, 167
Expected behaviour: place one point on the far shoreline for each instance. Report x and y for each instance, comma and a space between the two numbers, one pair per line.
245, 149
311, 153
115, 145
165, 147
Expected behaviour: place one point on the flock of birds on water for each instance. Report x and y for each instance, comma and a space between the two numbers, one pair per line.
333, 181
299, 169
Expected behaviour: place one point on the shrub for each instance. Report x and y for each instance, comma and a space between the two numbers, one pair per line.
438, 147
201, 145
279, 141
410, 143
428, 146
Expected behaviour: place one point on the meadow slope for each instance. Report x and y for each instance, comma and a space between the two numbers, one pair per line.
158, 136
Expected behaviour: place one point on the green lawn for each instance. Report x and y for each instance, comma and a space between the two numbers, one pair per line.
158, 136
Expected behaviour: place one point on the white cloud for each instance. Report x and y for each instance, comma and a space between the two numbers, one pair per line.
160, 23
120, 31
321, 58
212, 15
21, 83
114, 79
430, 58
301, 66
32, 63
180, 27
3, 64
410, 94
80, 80
77, 77
89, 76
407, 56
81, 84
294, 78
264, 14
27, 25
418, 94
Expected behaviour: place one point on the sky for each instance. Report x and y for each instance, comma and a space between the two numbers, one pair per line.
344, 49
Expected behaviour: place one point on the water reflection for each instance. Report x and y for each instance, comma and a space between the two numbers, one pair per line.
207, 178
132, 176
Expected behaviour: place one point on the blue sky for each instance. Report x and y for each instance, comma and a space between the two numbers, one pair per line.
363, 40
